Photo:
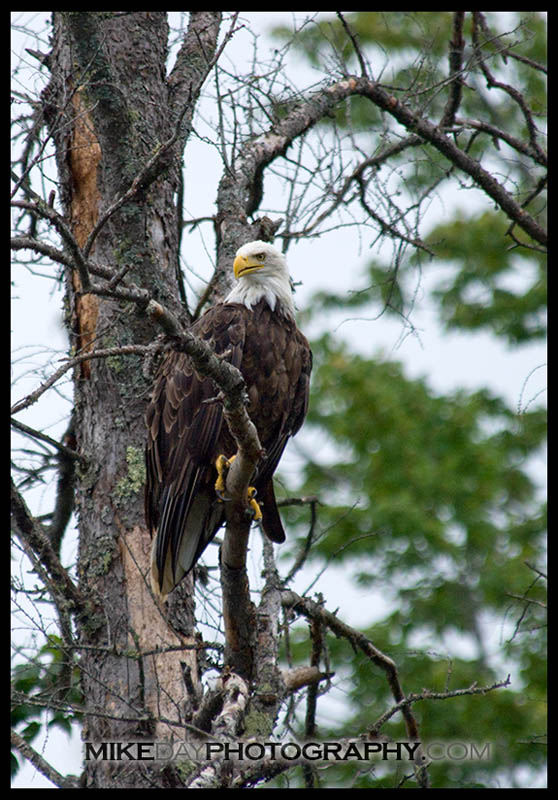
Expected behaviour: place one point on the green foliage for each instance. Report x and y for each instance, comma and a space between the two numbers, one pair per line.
497, 281
408, 51
428, 500
486, 285
47, 676
496, 288
419, 463
429, 505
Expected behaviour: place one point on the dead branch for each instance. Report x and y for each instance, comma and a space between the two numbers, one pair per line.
43, 557
537, 154
65, 485
40, 764
431, 133
313, 611
354, 41
60, 446
41, 209
238, 610
131, 349
299, 677
479, 24
137, 719
456, 46
426, 694
268, 678
226, 727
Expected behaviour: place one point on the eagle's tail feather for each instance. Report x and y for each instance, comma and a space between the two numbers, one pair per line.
271, 522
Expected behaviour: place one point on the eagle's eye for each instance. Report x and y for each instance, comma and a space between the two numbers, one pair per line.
261, 256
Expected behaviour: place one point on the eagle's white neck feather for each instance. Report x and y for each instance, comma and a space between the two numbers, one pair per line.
253, 288
267, 278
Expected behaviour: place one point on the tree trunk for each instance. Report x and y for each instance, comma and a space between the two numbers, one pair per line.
110, 106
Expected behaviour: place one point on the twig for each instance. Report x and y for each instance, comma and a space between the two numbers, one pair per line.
317, 638
455, 64
312, 610
479, 21
354, 42
130, 293
39, 549
526, 599
130, 349
537, 570
432, 134
372, 162
137, 719
305, 549
407, 701
537, 154
386, 227
73, 454
63, 782
42, 209
65, 488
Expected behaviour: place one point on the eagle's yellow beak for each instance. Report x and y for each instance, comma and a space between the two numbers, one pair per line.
243, 265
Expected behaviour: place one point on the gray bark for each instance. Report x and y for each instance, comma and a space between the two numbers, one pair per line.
110, 106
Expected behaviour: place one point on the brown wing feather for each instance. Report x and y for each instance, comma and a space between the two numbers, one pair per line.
183, 440
186, 433
277, 369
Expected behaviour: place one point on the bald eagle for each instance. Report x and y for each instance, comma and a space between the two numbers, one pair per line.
254, 329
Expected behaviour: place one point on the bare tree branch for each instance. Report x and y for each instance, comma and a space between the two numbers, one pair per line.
40, 208
537, 155
318, 613
36, 544
479, 22
313, 611
354, 42
426, 694
298, 677
62, 782
25, 429
432, 134
456, 47
132, 349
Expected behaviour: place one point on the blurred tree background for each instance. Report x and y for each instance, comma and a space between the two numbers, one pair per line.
431, 501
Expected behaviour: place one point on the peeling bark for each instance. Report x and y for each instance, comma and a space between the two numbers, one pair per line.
84, 158
110, 107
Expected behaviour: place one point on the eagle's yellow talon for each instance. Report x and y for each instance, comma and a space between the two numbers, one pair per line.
252, 502
222, 465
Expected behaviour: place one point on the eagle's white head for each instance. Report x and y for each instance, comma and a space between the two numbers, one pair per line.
262, 272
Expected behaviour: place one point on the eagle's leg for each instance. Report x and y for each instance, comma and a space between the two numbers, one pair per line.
222, 465
254, 505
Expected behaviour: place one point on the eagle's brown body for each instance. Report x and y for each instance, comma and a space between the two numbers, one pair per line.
187, 432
